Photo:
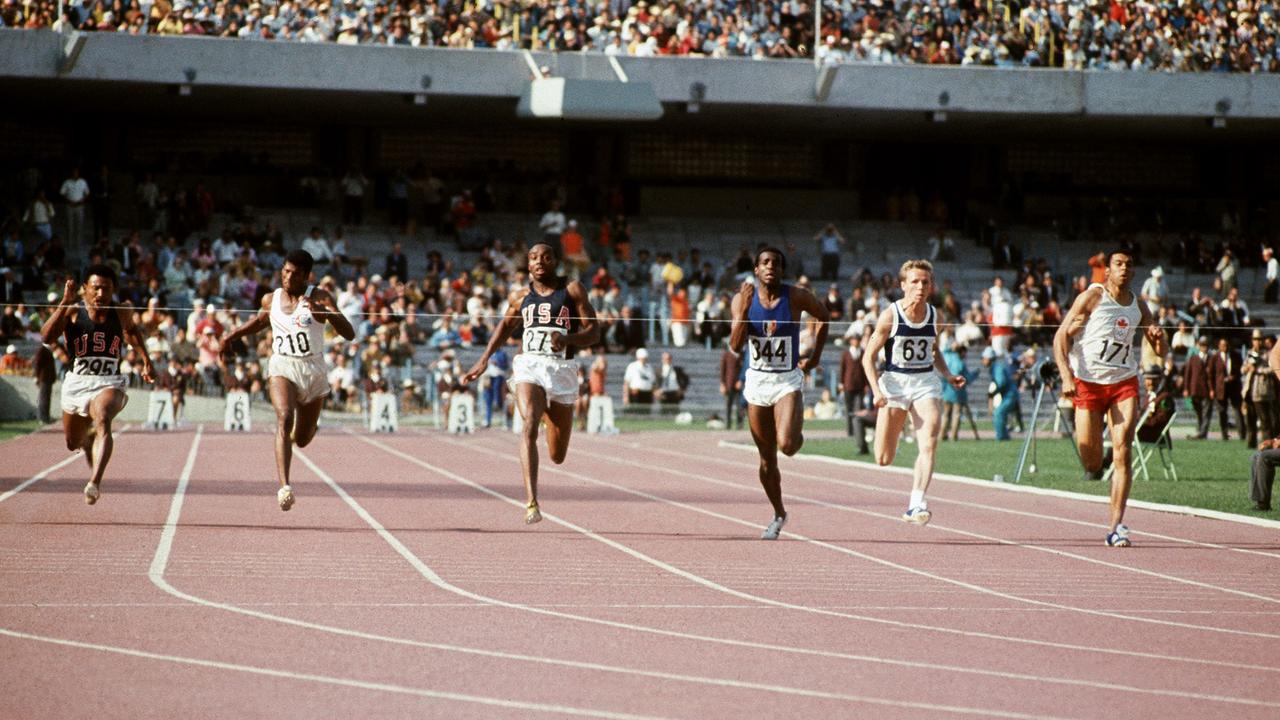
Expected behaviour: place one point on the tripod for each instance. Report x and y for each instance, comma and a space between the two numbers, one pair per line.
1048, 374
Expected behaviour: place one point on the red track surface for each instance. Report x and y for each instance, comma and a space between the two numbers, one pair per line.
404, 584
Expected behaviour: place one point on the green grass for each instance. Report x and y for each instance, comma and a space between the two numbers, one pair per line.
1211, 474
14, 428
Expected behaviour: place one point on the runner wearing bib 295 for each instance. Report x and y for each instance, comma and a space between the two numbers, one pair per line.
554, 317
1097, 351
908, 333
766, 325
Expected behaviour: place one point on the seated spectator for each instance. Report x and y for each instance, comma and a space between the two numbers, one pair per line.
638, 381
12, 363
826, 408
672, 383
318, 247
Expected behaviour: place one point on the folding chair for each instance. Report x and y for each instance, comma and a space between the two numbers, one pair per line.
1150, 440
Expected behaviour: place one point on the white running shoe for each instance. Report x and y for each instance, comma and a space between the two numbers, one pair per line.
1119, 537
91, 493
917, 516
775, 527
284, 496
532, 514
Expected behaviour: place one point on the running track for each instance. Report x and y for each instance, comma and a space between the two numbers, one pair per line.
404, 584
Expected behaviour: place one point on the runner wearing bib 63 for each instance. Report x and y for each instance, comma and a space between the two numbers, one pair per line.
766, 326
1097, 350
93, 391
553, 318
907, 331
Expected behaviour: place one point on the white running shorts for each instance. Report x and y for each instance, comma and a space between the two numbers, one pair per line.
80, 390
307, 375
765, 389
557, 376
904, 389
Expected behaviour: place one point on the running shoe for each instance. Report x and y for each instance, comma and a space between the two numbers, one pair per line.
775, 527
91, 493
284, 496
1119, 537
532, 514
917, 516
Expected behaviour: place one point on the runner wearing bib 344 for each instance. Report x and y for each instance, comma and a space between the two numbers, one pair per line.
766, 325
910, 386
1097, 351
553, 317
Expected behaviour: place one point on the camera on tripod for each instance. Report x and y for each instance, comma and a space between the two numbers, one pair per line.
1047, 372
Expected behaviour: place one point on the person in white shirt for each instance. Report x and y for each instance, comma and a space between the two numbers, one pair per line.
552, 224
76, 192
1272, 266
1155, 291
318, 247
1000, 293
226, 249
638, 380
40, 215
353, 187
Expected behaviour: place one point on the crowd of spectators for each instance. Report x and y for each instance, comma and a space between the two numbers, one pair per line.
1189, 35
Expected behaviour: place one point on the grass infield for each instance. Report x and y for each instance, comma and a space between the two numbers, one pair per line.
14, 428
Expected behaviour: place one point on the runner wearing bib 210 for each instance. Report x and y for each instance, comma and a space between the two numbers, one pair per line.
766, 325
1097, 350
553, 317
907, 331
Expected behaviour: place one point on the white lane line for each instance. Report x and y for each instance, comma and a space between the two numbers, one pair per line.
1015, 488
754, 607
325, 679
431, 576
913, 626
164, 548
710, 584
952, 581
52, 468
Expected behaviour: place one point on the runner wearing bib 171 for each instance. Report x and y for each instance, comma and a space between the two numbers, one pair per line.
907, 331
296, 314
766, 323
1097, 350
93, 391
554, 317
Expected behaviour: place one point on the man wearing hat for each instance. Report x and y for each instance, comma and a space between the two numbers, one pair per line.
638, 380
1155, 291
1004, 384
1259, 391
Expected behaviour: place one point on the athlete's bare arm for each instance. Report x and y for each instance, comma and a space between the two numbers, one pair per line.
738, 310
328, 312
129, 329
510, 321
803, 300
1072, 324
879, 336
257, 324
588, 329
57, 322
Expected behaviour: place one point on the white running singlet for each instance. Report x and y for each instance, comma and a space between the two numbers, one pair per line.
1106, 352
298, 334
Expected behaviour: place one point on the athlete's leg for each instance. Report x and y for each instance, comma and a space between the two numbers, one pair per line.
102, 410
1089, 438
284, 398
75, 429
306, 420
1124, 422
559, 427
926, 418
765, 435
788, 421
889, 422
531, 403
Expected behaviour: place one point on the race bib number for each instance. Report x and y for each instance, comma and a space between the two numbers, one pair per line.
237, 418
771, 354
96, 366
1113, 354
912, 352
538, 341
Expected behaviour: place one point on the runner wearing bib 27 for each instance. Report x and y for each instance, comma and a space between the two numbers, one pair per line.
1097, 351
93, 391
766, 325
553, 317
296, 314
908, 333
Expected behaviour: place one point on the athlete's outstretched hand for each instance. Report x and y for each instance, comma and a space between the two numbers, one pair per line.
1155, 334
69, 293
148, 373
476, 370
747, 291
807, 363
958, 381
